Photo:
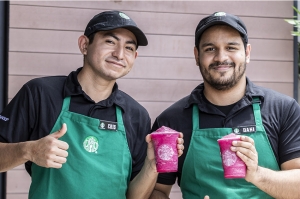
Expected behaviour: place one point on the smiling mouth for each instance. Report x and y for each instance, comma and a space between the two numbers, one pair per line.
222, 67
116, 63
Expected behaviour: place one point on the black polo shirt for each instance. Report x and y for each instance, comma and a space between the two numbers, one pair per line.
280, 115
32, 113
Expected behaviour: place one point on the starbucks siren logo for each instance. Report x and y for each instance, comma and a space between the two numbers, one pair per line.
91, 144
165, 152
123, 15
236, 130
102, 125
229, 158
220, 14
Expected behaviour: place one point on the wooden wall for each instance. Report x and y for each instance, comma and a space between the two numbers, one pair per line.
43, 42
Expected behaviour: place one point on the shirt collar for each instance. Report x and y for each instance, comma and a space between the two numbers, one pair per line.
72, 88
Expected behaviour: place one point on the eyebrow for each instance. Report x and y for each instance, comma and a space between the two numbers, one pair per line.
118, 39
206, 44
229, 43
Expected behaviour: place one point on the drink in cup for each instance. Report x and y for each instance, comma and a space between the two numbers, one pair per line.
165, 148
233, 166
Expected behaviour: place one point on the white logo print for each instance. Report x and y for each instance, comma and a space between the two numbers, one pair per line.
102, 125
123, 15
91, 144
229, 158
165, 152
4, 118
220, 14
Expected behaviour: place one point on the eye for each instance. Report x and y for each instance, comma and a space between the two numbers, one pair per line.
232, 48
130, 48
209, 49
109, 41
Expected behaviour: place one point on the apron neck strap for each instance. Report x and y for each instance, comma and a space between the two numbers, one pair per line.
119, 115
195, 117
256, 109
66, 103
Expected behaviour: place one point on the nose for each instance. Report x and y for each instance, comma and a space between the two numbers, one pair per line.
118, 52
220, 55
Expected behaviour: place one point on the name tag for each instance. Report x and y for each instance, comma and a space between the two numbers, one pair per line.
244, 129
108, 125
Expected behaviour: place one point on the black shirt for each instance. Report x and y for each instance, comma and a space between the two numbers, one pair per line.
32, 113
280, 115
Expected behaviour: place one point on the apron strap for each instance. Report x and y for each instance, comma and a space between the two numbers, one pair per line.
66, 103
195, 117
120, 118
256, 111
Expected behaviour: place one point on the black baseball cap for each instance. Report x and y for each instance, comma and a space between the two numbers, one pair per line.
114, 19
219, 18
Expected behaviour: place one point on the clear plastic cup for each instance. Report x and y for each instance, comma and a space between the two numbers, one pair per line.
165, 148
233, 166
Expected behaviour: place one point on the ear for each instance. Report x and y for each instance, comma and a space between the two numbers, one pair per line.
136, 54
196, 54
248, 50
83, 43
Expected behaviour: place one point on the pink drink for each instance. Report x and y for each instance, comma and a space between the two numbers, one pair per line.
165, 148
233, 166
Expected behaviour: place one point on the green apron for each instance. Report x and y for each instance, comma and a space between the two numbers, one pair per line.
202, 172
98, 165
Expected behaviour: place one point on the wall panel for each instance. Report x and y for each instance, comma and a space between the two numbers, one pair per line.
159, 45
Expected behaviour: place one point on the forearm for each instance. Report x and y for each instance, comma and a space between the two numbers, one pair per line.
12, 155
279, 184
142, 185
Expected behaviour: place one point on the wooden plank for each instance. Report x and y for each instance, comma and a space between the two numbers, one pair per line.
75, 19
155, 108
159, 45
18, 181
284, 88
42, 64
175, 192
243, 8
17, 196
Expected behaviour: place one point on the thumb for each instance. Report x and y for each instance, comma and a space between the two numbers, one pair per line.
148, 138
61, 132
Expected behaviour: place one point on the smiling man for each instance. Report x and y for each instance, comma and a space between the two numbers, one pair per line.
80, 136
228, 102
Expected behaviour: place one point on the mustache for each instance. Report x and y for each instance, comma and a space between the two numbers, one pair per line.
222, 63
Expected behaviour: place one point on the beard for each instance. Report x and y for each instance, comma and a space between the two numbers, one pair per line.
220, 83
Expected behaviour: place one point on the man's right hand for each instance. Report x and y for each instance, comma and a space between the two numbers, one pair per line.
50, 152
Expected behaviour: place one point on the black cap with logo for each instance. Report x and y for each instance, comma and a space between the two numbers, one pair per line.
219, 18
114, 19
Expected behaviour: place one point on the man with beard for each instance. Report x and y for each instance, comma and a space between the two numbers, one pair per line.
225, 102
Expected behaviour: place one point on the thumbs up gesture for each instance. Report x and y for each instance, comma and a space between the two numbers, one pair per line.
50, 152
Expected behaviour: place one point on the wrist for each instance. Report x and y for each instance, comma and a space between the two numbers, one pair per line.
25, 150
257, 177
150, 165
